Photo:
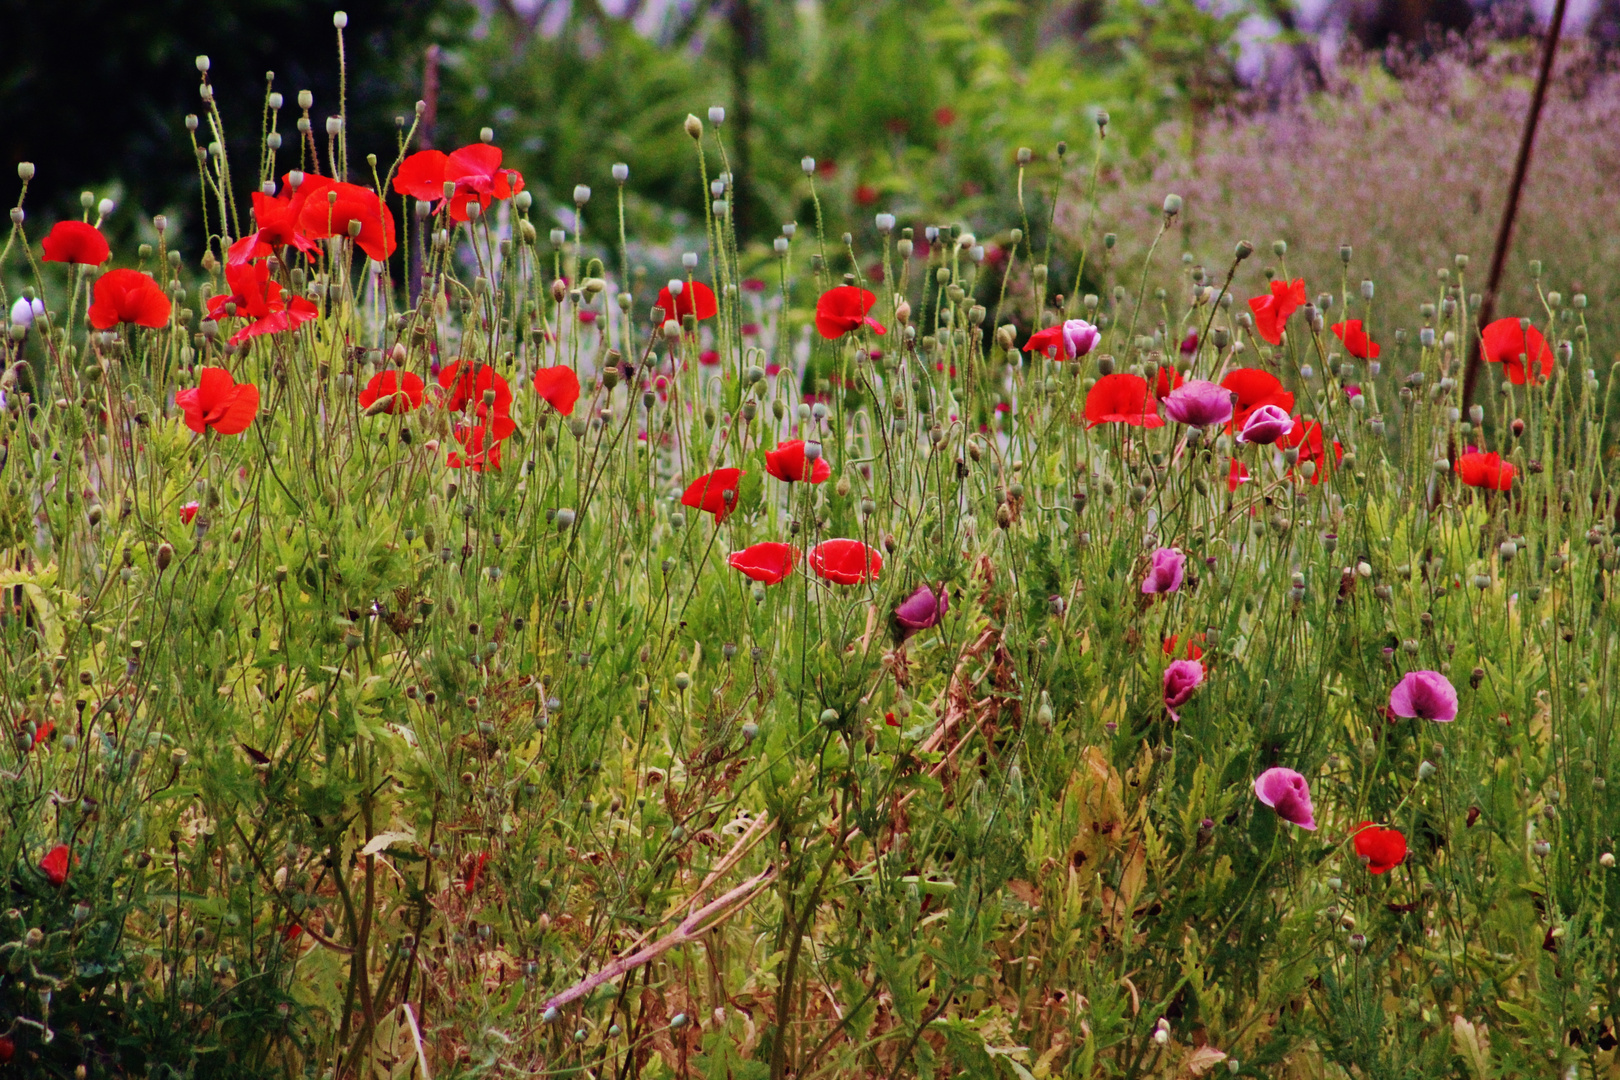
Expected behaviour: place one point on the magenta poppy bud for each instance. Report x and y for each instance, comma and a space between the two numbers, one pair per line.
1286, 792
922, 609
1199, 403
1181, 678
1265, 425
1424, 694
1079, 337
1165, 573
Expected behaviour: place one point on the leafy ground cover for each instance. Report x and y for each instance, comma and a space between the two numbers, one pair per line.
433, 648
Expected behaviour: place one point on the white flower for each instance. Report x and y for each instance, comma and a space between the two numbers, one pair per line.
25, 311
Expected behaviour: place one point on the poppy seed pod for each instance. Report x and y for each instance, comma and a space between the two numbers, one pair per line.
717, 115
582, 194
621, 173
340, 19
25, 171
1172, 205
808, 164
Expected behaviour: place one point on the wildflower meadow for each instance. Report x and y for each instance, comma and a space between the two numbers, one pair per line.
438, 642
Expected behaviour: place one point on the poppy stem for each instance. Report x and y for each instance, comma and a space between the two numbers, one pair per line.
1510, 211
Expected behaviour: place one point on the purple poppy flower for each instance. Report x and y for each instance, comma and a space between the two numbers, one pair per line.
1286, 792
1165, 573
1265, 425
1181, 678
1199, 403
1426, 694
1352, 391
1079, 337
1189, 344
922, 609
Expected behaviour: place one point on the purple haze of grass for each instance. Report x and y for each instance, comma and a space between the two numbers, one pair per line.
1286, 792
1428, 695
923, 608
1181, 678
1165, 573
1266, 425
1199, 403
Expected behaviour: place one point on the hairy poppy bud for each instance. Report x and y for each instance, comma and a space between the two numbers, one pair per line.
164, 556
694, 126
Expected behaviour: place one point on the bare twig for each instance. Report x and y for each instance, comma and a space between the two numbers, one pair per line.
1504, 230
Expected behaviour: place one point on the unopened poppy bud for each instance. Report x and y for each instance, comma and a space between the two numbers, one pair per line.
1606, 860
1541, 848
1025, 155
1426, 770
1279, 248
165, 555
902, 313
694, 126
565, 519
1172, 205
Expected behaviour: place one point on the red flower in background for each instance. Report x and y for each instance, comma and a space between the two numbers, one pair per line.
1383, 849
1307, 439
1272, 311
1236, 474
1356, 341
277, 215
128, 296
709, 357
474, 871
76, 242
329, 213
842, 310
1485, 471
1122, 398
1254, 388
714, 492
768, 563
847, 562
480, 447
470, 383
474, 171
55, 864
865, 195
1194, 651
401, 392
1167, 380
188, 513
1524, 356
219, 403
558, 387
789, 462
696, 299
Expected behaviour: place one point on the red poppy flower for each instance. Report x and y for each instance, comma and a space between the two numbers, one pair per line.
1384, 849
768, 563
753, 284
558, 387
292, 932
842, 310
219, 402
421, 176
696, 299
1485, 471
76, 242
944, 116
476, 171
847, 562
330, 212
400, 392
865, 195
1356, 341
1271, 312
473, 871
1168, 379
128, 296
788, 462
480, 447
1122, 399
55, 864
188, 513
277, 216
1194, 652
299, 310
1254, 388
1524, 356
1307, 439
1236, 474
469, 383
709, 357
8, 1049
714, 492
